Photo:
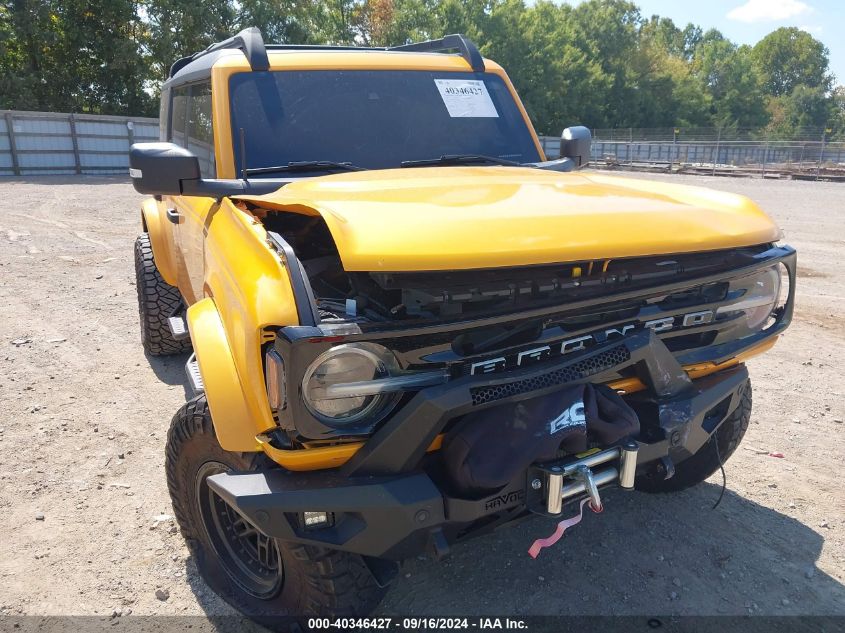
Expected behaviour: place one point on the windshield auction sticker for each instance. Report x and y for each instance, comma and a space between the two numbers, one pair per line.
466, 98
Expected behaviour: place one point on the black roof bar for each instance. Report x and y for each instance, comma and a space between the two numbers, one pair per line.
468, 50
251, 43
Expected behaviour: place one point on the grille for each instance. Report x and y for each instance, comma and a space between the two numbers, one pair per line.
577, 371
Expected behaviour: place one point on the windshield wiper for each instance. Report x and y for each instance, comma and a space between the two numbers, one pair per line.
459, 159
305, 165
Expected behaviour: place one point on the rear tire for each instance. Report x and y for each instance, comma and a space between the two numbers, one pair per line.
261, 577
705, 462
157, 300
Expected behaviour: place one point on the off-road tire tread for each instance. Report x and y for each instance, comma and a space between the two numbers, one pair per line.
157, 300
705, 462
190, 421
327, 582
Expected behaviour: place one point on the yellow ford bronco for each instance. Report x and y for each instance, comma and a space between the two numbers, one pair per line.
408, 327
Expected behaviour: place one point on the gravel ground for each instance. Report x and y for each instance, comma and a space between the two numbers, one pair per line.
87, 522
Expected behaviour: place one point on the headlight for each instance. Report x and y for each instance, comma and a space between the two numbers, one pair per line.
760, 298
357, 381
342, 365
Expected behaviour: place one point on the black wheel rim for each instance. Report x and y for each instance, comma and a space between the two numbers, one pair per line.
250, 559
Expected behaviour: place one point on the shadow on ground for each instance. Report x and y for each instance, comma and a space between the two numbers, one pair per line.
646, 555
171, 371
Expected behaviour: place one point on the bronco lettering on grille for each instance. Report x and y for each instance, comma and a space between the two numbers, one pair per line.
580, 343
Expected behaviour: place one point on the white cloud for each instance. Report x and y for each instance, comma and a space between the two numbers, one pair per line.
768, 10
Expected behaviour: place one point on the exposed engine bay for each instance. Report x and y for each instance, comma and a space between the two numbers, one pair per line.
380, 297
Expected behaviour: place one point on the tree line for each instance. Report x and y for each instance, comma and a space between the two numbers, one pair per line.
601, 63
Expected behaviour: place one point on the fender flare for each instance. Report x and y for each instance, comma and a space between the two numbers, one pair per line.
154, 224
233, 424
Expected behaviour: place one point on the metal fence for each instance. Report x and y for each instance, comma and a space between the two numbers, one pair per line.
39, 143
680, 133
705, 151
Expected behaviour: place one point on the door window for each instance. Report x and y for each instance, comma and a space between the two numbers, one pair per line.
191, 125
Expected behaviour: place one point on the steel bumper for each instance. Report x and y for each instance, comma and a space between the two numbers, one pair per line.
385, 504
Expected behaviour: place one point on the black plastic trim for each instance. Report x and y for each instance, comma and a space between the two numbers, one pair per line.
302, 294
461, 43
249, 41
375, 517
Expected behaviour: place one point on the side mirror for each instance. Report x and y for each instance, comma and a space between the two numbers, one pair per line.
166, 169
159, 168
575, 143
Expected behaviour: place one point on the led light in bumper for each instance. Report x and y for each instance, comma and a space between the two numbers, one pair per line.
315, 519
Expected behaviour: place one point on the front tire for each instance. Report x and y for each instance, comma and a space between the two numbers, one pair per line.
157, 300
259, 576
707, 460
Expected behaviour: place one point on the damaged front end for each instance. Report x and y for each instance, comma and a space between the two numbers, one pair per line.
396, 370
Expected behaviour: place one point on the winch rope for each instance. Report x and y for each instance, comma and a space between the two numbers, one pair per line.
540, 543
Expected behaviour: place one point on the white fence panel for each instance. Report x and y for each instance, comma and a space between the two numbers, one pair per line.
57, 143
94, 144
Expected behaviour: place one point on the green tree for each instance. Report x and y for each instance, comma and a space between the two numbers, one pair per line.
838, 113
73, 55
558, 82
804, 109
280, 21
177, 28
664, 35
789, 57
728, 74
608, 32
27, 64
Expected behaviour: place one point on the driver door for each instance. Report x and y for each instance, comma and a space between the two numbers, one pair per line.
192, 128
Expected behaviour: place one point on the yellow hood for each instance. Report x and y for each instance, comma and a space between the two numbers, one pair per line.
448, 218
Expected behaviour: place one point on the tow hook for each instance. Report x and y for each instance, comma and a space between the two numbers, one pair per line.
585, 475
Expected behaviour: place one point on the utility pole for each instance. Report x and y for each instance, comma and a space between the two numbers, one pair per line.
675, 132
825, 132
718, 140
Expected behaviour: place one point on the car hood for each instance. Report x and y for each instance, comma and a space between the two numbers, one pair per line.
450, 218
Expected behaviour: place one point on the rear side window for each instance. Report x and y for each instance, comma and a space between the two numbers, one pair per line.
163, 114
200, 134
179, 114
191, 125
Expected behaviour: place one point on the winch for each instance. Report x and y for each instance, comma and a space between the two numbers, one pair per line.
551, 485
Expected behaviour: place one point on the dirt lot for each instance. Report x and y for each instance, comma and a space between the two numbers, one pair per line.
86, 520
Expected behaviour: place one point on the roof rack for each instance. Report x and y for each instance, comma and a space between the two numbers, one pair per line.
249, 41
467, 49
252, 44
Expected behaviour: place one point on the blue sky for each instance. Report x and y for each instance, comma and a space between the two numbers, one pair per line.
748, 21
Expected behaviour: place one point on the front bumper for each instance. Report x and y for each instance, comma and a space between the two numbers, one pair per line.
385, 504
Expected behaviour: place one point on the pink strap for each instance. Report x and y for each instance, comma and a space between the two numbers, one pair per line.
540, 543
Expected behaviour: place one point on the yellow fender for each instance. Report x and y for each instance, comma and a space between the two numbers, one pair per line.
234, 426
155, 223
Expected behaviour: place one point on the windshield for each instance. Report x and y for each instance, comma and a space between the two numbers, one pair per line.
374, 118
